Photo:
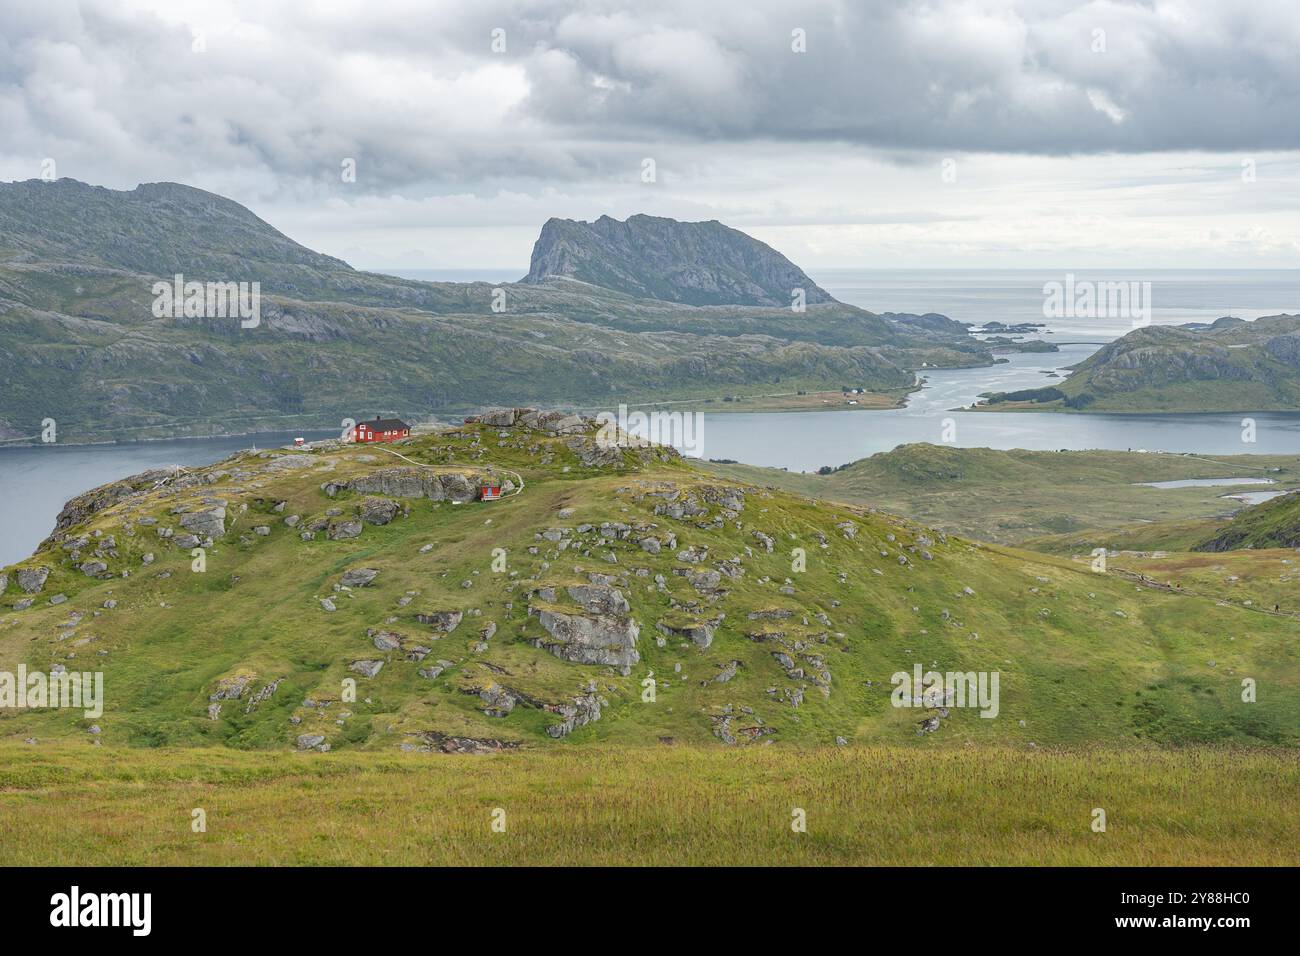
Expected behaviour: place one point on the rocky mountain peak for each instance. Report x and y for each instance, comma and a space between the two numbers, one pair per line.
697, 263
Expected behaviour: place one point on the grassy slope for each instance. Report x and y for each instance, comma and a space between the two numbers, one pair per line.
664, 805
1013, 496
1272, 524
1249, 560
1084, 658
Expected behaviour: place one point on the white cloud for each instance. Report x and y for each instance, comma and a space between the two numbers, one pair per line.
1062, 150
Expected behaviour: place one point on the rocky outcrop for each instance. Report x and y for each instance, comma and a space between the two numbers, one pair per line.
87, 505
441, 621
431, 740
590, 638
209, 523
499, 701
584, 710
358, 577
409, 482
377, 511
598, 599
31, 580
699, 633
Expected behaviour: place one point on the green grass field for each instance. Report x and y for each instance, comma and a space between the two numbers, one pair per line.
80, 805
1014, 496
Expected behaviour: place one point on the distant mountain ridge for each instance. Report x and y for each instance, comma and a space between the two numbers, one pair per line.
156, 229
79, 342
696, 263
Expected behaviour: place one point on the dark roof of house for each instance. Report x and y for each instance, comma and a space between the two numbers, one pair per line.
384, 424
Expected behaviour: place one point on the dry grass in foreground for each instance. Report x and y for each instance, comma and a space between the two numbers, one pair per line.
73, 805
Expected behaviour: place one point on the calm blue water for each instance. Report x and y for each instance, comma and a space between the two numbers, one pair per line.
805, 441
42, 479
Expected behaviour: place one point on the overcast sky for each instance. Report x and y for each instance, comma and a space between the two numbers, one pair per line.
1037, 133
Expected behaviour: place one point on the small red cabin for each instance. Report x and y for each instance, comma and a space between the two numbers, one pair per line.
489, 489
380, 429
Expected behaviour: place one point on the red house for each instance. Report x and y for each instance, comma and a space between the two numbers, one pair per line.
380, 429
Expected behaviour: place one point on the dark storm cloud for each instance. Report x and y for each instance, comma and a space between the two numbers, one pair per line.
1030, 77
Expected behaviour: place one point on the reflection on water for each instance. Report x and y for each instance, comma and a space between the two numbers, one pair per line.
1207, 483
1256, 497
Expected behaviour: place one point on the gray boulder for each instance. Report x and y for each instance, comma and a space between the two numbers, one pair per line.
377, 511
699, 633
368, 668
445, 621
359, 577
583, 710
210, 523
459, 488
596, 639
342, 530
31, 580
598, 599
385, 640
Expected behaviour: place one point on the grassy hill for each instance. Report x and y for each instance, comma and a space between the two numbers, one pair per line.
621, 566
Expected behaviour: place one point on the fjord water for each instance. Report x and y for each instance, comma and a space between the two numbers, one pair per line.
36, 481
805, 441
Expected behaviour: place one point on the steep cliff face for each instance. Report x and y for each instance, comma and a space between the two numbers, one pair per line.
697, 263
